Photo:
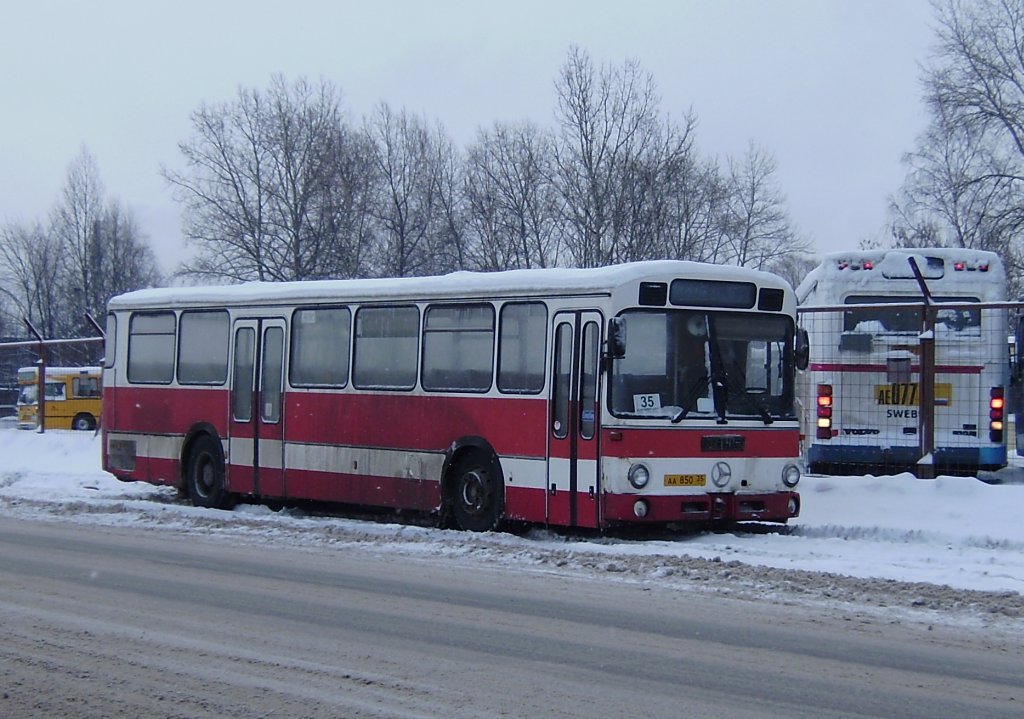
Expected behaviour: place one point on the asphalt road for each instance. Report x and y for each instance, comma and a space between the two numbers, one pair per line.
123, 622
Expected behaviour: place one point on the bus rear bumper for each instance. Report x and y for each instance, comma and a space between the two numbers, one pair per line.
718, 507
862, 459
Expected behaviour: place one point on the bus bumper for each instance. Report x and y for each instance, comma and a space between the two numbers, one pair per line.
720, 507
839, 459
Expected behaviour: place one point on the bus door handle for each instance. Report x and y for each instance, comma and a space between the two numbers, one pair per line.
591, 493
554, 489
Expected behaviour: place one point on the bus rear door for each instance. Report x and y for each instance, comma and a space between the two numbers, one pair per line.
256, 447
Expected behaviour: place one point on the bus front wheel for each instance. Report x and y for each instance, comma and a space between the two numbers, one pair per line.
477, 500
84, 422
205, 478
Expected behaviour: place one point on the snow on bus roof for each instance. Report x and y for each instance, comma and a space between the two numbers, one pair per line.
61, 371
457, 284
845, 272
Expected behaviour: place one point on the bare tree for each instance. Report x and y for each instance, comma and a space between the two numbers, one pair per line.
758, 231
408, 207
311, 211
30, 267
75, 224
965, 179
276, 186
644, 220
944, 202
449, 238
127, 260
349, 216
698, 197
512, 205
225, 193
96, 250
607, 119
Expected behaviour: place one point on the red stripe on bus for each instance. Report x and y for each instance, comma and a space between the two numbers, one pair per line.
940, 369
166, 410
677, 442
513, 425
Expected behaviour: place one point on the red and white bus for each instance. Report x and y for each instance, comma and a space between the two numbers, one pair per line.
654, 392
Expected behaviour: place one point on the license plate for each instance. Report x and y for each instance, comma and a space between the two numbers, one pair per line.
908, 394
685, 480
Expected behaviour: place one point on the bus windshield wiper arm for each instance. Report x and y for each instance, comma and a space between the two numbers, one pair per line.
751, 401
691, 394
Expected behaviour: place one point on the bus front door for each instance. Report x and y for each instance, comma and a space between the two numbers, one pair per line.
256, 447
573, 487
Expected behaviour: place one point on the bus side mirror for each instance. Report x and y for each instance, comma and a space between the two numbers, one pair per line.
616, 338
803, 349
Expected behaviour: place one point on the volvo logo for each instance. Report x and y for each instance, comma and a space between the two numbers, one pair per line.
721, 473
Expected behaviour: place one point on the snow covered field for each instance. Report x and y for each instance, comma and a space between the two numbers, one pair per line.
948, 543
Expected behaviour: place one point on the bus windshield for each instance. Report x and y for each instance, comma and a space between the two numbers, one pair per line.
700, 364
30, 392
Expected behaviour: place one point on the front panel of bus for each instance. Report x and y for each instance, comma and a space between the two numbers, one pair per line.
700, 421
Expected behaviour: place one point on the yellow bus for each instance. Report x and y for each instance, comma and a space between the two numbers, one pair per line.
73, 397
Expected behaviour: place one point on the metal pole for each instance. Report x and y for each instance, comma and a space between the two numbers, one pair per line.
926, 384
40, 380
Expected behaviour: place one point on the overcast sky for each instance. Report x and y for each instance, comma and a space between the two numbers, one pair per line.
831, 87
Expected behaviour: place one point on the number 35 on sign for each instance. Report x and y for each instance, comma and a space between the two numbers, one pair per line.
643, 402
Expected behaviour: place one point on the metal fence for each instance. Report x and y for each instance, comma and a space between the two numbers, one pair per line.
908, 386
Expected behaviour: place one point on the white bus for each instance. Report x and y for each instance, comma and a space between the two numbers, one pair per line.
655, 392
861, 395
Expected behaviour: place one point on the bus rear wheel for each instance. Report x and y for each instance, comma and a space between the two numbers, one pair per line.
84, 422
476, 499
205, 477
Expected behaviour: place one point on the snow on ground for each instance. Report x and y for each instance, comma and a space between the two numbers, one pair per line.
952, 542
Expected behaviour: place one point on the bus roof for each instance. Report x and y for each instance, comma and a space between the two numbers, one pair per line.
949, 271
56, 372
511, 283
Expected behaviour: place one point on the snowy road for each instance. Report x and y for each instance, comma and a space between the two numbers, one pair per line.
104, 621
890, 597
949, 550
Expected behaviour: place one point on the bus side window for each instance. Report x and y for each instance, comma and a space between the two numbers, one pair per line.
320, 347
245, 361
56, 391
522, 347
151, 337
85, 387
386, 347
203, 347
458, 348
562, 381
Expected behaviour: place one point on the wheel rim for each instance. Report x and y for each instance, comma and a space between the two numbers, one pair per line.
204, 475
474, 493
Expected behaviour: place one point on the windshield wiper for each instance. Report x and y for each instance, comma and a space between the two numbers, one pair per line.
750, 400
689, 396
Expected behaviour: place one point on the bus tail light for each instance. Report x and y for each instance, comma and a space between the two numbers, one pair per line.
824, 411
996, 407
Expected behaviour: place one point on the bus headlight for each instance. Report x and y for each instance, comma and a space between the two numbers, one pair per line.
639, 476
790, 475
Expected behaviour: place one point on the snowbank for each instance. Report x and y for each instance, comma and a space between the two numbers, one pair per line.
951, 531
